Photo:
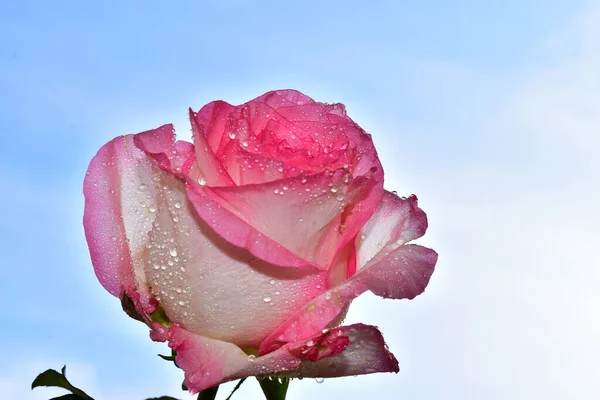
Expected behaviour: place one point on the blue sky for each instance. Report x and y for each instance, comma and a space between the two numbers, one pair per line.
488, 111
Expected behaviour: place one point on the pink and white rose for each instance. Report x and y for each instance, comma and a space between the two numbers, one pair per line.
254, 240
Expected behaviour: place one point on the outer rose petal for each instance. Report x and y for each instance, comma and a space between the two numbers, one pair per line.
396, 270
212, 287
403, 273
349, 350
395, 222
119, 212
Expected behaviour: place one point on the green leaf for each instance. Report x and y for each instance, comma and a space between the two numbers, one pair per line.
52, 378
236, 388
274, 388
163, 398
208, 394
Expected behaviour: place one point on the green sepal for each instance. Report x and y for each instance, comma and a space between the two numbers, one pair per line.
274, 388
52, 378
129, 307
160, 316
167, 358
208, 394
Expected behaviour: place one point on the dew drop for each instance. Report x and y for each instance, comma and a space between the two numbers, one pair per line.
178, 205
251, 357
267, 298
173, 252
181, 302
363, 237
339, 197
319, 380
272, 281
142, 187
232, 135
156, 266
152, 209
202, 181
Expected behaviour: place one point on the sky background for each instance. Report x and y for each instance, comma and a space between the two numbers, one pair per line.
488, 111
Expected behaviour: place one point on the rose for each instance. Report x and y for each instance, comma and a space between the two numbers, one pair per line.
244, 250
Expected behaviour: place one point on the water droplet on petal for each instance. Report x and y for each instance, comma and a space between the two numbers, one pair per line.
202, 181
178, 205
251, 357
319, 380
267, 298
142, 187
173, 252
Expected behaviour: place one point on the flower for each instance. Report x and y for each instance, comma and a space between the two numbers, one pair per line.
245, 249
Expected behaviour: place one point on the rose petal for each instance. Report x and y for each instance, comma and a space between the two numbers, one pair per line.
402, 273
209, 169
313, 217
366, 353
119, 212
395, 222
213, 118
212, 287
236, 231
349, 350
283, 98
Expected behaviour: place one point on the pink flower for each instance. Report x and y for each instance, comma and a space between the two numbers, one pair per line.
254, 240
